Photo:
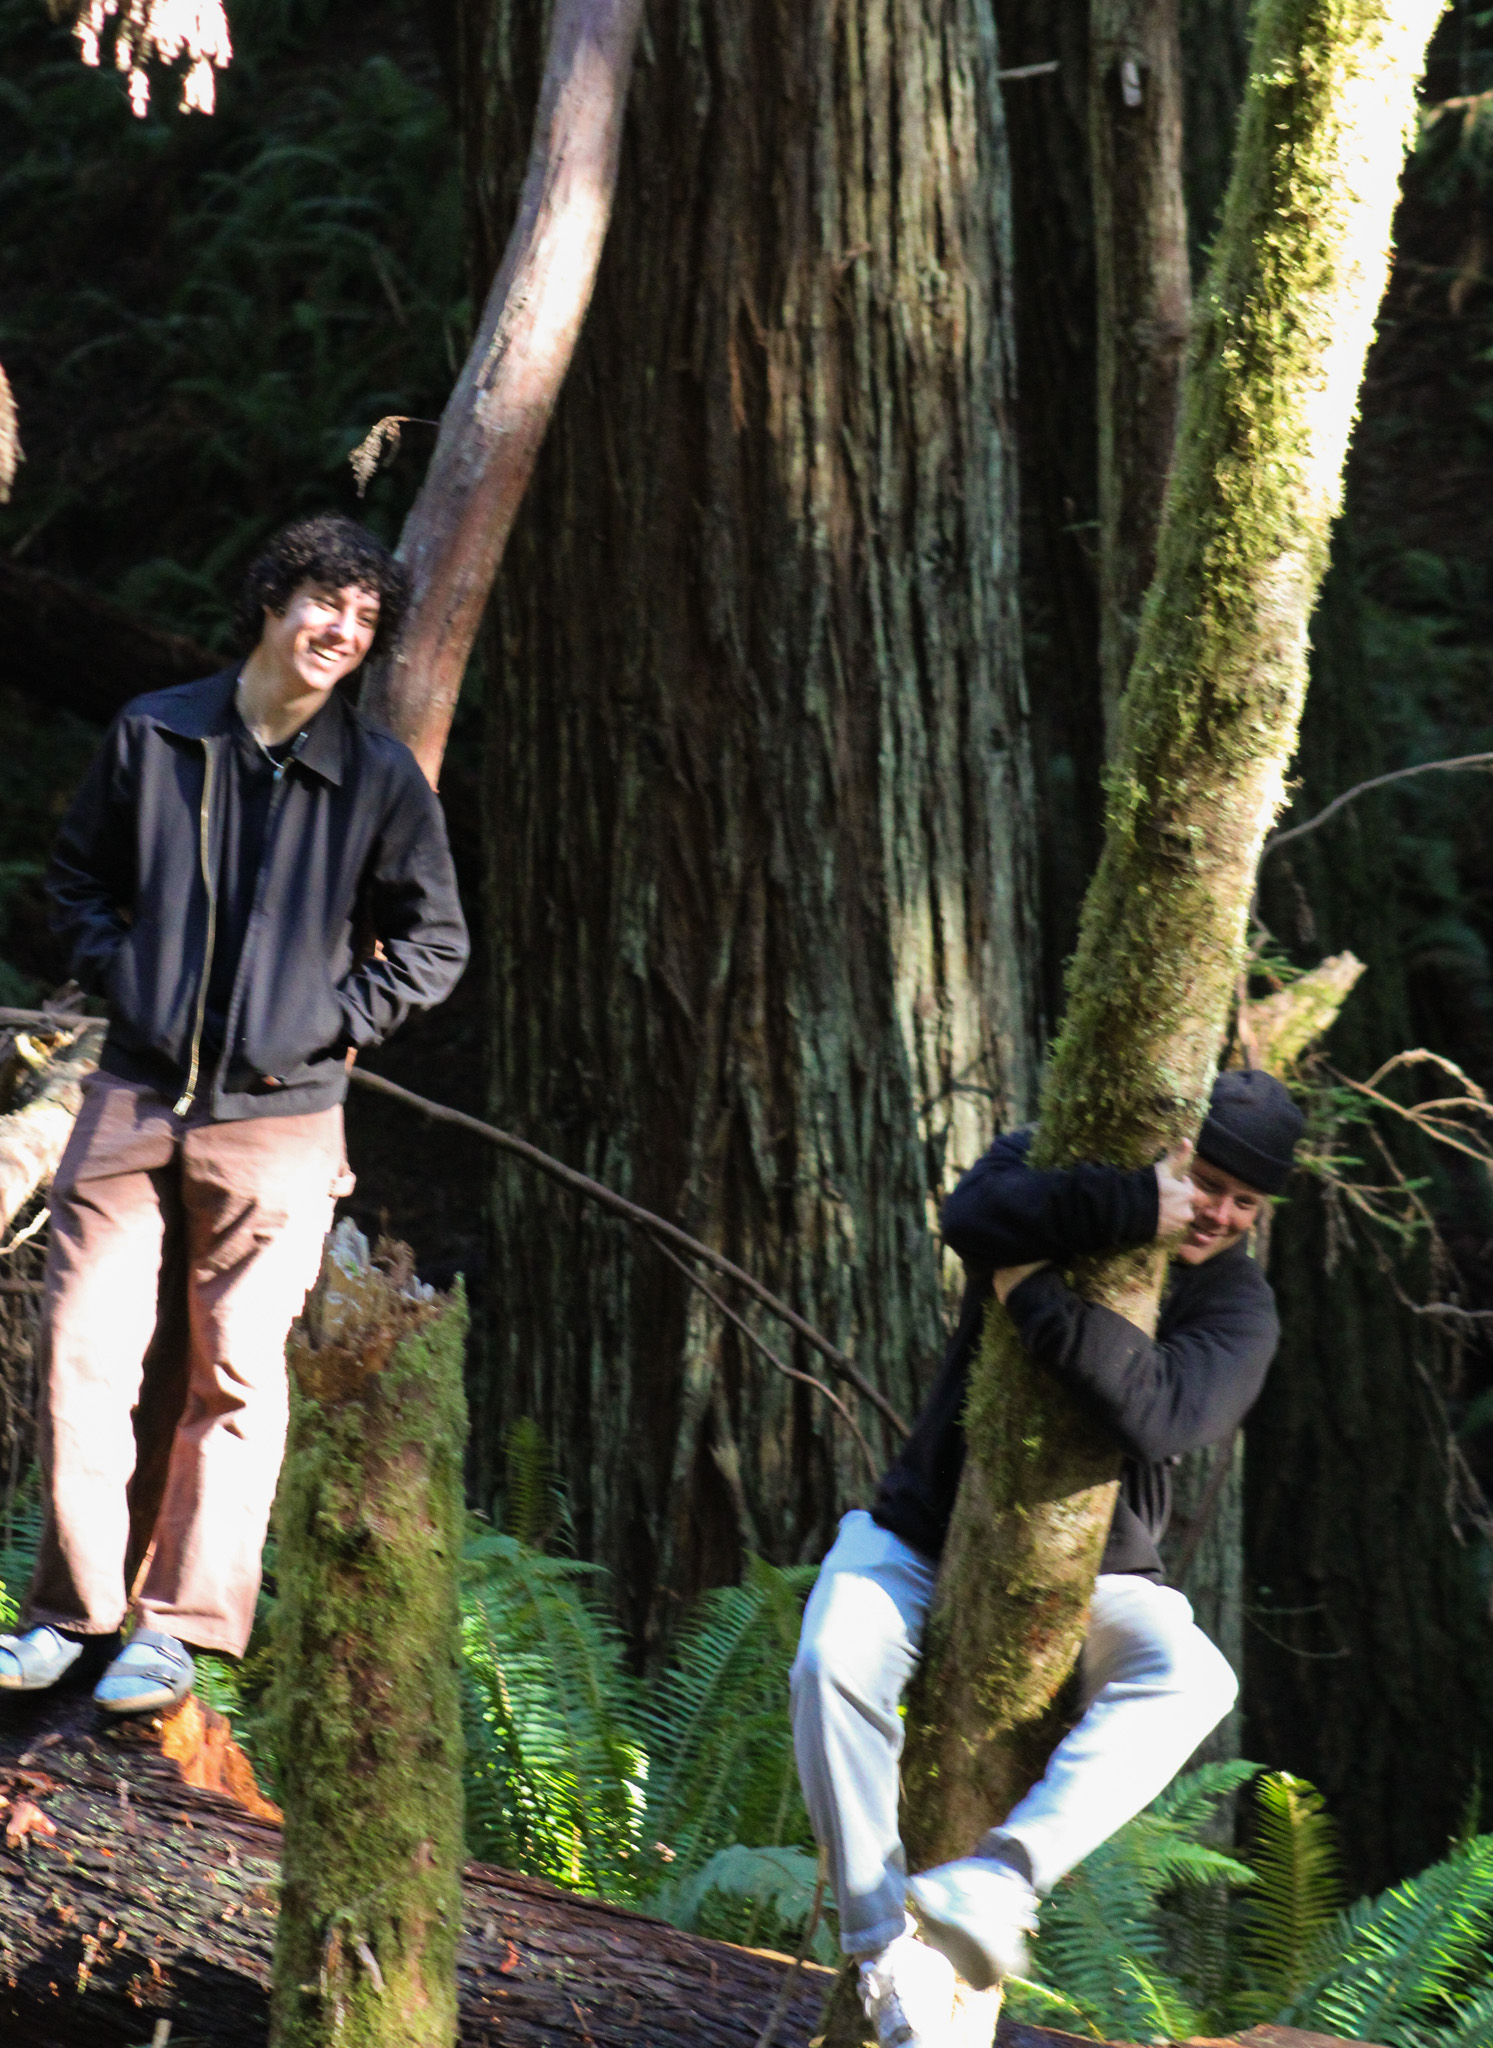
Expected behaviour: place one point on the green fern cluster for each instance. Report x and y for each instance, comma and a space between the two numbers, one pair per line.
682, 1796
1158, 1937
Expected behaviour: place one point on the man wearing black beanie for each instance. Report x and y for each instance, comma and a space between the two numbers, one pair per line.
1152, 1684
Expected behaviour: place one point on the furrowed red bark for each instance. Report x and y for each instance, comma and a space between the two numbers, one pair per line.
365, 1705
759, 888
1140, 263
454, 537
1208, 727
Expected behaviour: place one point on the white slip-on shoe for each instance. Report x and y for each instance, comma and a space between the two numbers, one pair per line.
978, 1913
152, 1671
36, 1660
907, 1990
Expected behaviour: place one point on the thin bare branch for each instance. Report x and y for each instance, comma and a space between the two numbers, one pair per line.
1279, 839
789, 1372
644, 1219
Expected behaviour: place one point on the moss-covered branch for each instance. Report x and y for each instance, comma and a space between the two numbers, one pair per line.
1281, 330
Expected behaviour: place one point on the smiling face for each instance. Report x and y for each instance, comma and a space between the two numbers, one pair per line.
322, 635
1223, 1209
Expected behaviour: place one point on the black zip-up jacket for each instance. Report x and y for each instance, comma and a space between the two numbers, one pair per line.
1192, 1385
354, 850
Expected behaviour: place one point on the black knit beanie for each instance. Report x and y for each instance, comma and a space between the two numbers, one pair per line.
1251, 1129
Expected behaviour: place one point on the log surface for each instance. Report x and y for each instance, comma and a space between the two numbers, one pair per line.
156, 1900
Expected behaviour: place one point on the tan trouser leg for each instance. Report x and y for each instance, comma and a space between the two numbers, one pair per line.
257, 1200
113, 1201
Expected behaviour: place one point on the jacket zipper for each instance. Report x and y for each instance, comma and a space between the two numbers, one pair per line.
277, 798
184, 1101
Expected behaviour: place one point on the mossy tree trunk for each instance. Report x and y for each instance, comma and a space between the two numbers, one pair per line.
1208, 728
760, 900
366, 1725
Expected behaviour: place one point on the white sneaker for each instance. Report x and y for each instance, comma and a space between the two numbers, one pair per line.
978, 1913
908, 1993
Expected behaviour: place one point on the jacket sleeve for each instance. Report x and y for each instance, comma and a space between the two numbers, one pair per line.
90, 881
411, 906
1160, 1396
1005, 1213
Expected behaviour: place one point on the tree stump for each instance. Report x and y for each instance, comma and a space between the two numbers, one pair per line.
365, 1709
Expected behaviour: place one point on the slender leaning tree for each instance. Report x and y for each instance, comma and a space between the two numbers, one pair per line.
1209, 725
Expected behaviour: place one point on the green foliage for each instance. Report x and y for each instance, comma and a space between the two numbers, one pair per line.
206, 315
579, 1774
1150, 1939
533, 1506
1401, 1969
554, 1770
1103, 1950
762, 1898
718, 1726
1295, 1857
20, 1535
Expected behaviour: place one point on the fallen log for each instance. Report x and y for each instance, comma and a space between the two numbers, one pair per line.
34, 1136
156, 1901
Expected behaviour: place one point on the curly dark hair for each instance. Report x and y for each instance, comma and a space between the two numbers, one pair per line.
333, 551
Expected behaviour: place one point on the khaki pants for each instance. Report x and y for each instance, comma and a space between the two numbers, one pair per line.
180, 1252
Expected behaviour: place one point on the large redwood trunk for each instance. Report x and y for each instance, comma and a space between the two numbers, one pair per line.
759, 893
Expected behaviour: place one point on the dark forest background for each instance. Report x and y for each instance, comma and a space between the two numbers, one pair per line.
202, 317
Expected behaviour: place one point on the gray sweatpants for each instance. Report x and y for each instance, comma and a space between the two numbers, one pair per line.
1151, 1684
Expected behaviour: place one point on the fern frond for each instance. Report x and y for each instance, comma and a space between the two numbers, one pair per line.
1471, 2024
756, 1896
1402, 1958
718, 1731
555, 1768
1038, 2005
1189, 1801
1298, 1886
535, 1505
1109, 1933
1100, 1948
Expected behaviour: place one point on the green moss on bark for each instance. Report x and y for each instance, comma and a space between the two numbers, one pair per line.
1208, 728
366, 1714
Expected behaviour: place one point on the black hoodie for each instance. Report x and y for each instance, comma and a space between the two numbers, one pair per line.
1190, 1385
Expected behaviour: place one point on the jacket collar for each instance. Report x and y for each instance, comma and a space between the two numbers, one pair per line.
203, 711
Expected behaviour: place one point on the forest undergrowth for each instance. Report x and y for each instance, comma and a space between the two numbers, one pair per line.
677, 1795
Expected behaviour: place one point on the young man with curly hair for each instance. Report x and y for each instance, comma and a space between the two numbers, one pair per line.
257, 881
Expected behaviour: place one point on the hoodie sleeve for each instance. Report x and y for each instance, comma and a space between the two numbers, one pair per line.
413, 910
90, 880
1161, 1396
1005, 1213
